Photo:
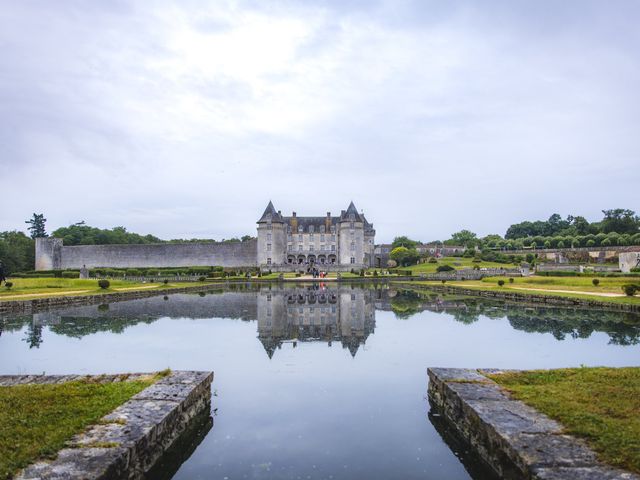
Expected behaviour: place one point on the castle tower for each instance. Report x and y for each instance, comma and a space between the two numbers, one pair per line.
271, 238
351, 249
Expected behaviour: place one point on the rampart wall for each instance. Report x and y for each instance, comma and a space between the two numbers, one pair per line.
51, 254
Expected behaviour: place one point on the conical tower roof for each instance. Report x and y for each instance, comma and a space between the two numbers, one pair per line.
270, 211
352, 210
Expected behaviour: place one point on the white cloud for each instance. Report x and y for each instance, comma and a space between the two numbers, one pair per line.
185, 118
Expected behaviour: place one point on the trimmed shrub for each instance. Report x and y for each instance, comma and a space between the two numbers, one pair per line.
104, 284
432, 260
444, 268
511, 280
444, 281
202, 279
8, 285
595, 282
501, 283
165, 281
70, 274
630, 289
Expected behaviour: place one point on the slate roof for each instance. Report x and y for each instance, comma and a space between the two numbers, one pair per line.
317, 222
275, 216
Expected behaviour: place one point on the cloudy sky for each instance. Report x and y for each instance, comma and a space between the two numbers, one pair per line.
184, 118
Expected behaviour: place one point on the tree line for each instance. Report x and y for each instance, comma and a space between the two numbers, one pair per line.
17, 249
618, 227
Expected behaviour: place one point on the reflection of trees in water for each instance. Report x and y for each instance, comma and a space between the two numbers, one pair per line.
623, 328
34, 335
78, 327
406, 303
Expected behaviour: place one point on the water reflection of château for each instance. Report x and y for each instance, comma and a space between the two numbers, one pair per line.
317, 313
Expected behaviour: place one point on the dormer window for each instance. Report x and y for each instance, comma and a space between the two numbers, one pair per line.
352, 217
311, 228
300, 229
321, 228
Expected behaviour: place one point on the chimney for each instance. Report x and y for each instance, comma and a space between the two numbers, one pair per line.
294, 214
280, 212
328, 214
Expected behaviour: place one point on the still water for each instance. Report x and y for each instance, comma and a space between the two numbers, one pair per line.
319, 381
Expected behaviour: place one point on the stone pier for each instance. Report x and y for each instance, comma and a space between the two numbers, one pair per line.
128, 442
517, 441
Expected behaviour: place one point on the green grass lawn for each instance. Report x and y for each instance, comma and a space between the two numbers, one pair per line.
601, 405
36, 420
533, 285
456, 262
42, 287
607, 284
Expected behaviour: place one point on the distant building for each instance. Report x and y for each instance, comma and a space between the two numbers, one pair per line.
329, 242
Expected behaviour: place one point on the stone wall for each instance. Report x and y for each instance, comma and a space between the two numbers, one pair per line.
128, 442
517, 441
630, 260
51, 254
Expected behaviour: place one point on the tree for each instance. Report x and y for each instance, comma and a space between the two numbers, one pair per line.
17, 252
404, 256
404, 241
581, 225
465, 238
620, 220
37, 227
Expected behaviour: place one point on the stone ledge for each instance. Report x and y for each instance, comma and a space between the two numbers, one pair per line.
517, 441
130, 440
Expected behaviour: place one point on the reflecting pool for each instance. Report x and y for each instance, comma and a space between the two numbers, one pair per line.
318, 381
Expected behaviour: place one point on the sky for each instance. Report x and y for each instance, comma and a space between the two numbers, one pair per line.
184, 118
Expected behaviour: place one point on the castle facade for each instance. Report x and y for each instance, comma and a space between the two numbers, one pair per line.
328, 242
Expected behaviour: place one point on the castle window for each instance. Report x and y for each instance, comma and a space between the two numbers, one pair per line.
311, 248
353, 246
333, 248
352, 225
269, 236
300, 229
311, 228
333, 238
289, 238
322, 247
288, 228
268, 247
333, 229
353, 259
322, 237
300, 237
269, 263
321, 228
352, 217
300, 247
311, 237
290, 248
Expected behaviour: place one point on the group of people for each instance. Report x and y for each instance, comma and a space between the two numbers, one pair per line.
317, 273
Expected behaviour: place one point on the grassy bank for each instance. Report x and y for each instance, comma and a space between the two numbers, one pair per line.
600, 405
36, 420
609, 290
27, 288
456, 262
